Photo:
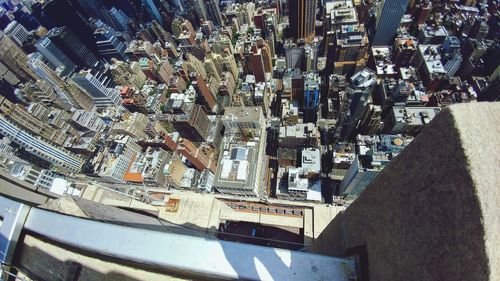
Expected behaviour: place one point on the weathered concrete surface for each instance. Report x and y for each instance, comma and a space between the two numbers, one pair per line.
43, 260
434, 212
83, 208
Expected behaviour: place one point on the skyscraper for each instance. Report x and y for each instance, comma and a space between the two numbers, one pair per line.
302, 18
199, 8
206, 97
72, 46
71, 14
257, 64
389, 15
359, 94
59, 158
153, 10
77, 98
311, 98
351, 52
116, 18
213, 12
17, 32
108, 45
193, 126
14, 60
55, 56
99, 85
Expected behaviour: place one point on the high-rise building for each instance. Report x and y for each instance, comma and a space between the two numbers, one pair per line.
59, 158
404, 50
42, 91
351, 54
206, 96
451, 55
13, 58
18, 114
267, 58
492, 91
72, 46
364, 168
195, 65
311, 97
193, 126
159, 33
55, 56
302, 18
80, 98
133, 125
389, 15
116, 18
244, 120
294, 56
180, 25
99, 85
221, 43
87, 120
33, 175
311, 57
63, 87
213, 66
197, 156
153, 10
128, 74
408, 120
370, 122
117, 158
70, 14
430, 68
213, 12
239, 170
17, 32
257, 64
298, 135
421, 11
340, 26
165, 71
108, 45
358, 97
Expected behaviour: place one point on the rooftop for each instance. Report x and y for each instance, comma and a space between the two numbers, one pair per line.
432, 58
431, 31
311, 160
236, 167
250, 113
363, 79
341, 12
301, 130
415, 115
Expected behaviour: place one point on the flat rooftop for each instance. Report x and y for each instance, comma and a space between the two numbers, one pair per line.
432, 58
236, 167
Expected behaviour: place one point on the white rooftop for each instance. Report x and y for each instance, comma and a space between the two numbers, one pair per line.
311, 160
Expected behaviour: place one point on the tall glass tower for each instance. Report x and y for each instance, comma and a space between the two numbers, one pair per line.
389, 17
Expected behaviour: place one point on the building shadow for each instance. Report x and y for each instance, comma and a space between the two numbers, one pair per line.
72, 264
329, 242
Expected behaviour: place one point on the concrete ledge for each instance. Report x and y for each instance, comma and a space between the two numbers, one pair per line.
432, 213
